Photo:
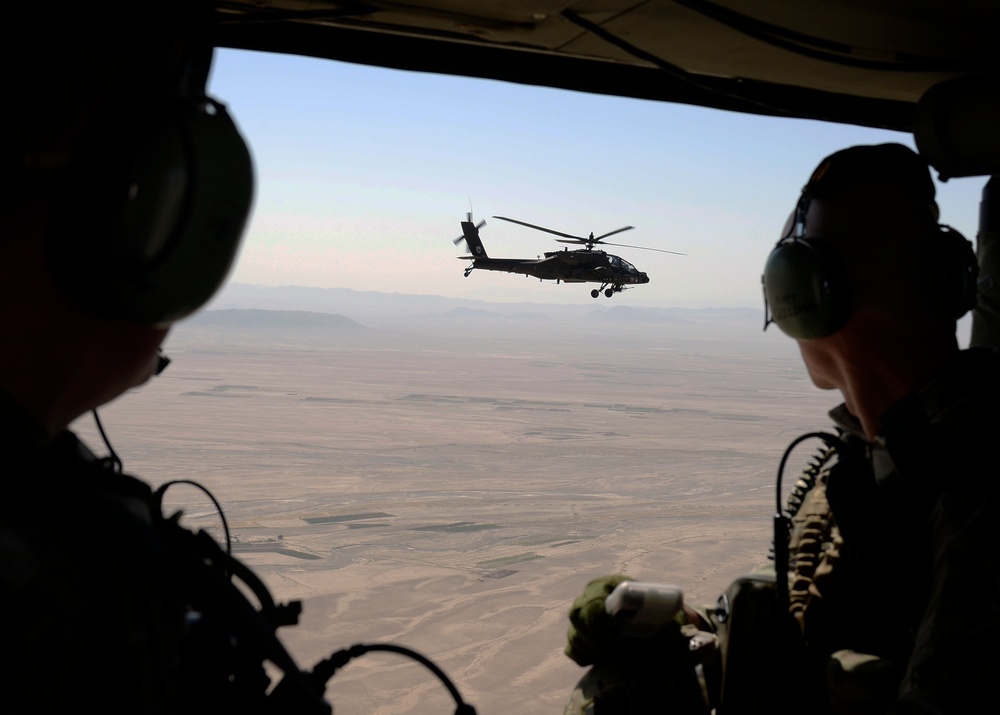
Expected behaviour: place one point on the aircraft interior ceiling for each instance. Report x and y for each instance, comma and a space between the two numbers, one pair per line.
864, 62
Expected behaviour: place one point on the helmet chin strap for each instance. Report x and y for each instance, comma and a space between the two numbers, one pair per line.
113, 458
116, 463
161, 362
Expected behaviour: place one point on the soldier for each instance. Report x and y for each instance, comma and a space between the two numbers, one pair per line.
893, 586
126, 190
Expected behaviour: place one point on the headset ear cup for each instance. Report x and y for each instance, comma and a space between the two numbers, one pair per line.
963, 271
152, 211
805, 289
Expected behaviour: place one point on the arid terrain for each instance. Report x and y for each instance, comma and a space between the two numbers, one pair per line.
451, 485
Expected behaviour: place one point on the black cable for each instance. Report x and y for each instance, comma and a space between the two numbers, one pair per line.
673, 70
814, 47
158, 495
325, 669
211, 573
357, 11
116, 462
253, 631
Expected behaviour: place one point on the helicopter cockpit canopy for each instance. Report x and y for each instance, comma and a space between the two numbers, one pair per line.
621, 264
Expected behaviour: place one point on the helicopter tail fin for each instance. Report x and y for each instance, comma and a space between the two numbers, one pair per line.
470, 233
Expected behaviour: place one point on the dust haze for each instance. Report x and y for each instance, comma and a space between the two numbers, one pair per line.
447, 476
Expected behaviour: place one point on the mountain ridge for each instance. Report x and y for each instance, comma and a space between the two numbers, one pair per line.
375, 308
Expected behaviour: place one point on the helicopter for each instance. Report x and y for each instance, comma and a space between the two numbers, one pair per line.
583, 265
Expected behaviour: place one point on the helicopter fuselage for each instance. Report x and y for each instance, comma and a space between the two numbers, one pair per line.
569, 267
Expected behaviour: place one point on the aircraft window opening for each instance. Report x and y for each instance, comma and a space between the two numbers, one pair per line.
607, 395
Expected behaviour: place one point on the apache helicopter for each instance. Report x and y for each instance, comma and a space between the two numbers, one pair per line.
583, 265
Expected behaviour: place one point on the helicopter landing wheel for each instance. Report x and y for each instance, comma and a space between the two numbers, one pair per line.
594, 293
609, 292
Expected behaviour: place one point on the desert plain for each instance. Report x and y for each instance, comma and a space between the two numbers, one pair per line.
450, 484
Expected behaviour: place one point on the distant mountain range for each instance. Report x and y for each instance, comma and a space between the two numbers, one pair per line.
340, 316
243, 304
258, 318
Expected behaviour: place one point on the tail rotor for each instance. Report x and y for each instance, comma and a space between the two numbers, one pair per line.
467, 224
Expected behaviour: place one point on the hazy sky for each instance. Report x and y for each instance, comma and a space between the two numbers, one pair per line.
363, 175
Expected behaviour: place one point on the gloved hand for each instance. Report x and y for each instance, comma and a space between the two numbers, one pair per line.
595, 638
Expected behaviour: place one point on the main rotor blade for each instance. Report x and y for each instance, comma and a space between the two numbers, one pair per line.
644, 248
541, 228
617, 230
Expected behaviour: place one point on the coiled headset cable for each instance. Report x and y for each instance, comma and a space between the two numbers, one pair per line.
298, 692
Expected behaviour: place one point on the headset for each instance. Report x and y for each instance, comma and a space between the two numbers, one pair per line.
806, 290
150, 211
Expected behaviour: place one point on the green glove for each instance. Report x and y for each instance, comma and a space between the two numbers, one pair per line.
595, 638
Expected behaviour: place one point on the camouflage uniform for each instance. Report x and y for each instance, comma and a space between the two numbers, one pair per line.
104, 605
894, 586
892, 577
